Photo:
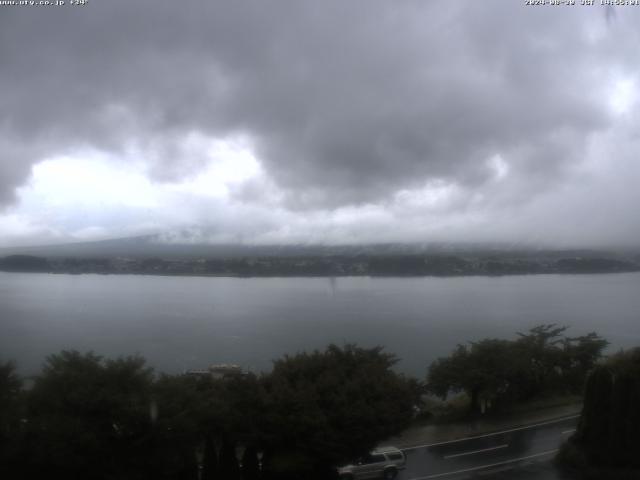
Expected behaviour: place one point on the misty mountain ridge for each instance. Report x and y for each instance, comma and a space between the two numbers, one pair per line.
183, 245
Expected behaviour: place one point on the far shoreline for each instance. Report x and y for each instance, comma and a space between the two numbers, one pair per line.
239, 276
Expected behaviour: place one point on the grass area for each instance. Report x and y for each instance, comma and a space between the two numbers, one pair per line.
456, 409
550, 401
441, 421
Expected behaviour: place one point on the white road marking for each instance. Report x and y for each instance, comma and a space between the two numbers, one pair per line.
568, 431
482, 467
550, 422
477, 451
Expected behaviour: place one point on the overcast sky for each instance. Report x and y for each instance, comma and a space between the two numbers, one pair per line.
275, 121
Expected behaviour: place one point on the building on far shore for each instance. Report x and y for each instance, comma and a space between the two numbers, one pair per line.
219, 371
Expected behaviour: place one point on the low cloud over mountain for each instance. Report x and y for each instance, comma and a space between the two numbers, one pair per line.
335, 122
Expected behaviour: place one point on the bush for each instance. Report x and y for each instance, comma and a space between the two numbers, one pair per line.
606, 443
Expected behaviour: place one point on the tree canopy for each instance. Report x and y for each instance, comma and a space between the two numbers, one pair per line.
10, 415
331, 406
91, 417
608, 429
88, 416
494, 371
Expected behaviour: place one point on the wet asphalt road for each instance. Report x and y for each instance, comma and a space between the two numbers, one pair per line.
520, 453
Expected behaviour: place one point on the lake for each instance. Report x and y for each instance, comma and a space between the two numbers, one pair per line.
179, 323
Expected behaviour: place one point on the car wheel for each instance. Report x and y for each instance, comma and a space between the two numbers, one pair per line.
346, 476
390, 474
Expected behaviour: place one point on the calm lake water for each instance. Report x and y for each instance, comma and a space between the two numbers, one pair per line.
191, 322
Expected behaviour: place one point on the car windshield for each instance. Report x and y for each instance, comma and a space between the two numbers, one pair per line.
372, 458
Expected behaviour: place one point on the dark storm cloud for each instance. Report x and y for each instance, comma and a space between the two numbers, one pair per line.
345, 102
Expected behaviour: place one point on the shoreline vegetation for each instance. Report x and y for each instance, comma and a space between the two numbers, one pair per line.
606, 443
85, 415
397, 265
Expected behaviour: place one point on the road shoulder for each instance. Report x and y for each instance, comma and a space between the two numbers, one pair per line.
435, 433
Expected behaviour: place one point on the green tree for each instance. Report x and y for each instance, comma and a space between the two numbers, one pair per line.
89, 417
557, 362
484, 370
499, 372
10, 417
229, 467
580, 356
327, 407
541, 347
210, 470
180, 427
196, 413
607, 433
250, 465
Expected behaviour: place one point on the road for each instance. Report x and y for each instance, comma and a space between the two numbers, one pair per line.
522, 453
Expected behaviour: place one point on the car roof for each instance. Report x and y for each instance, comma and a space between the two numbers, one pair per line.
386, 450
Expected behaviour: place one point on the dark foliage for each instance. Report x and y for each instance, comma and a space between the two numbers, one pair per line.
497, 372
90, 417
24, 263
328, 407
594, 265
11, 412
326, 262
607, 435
250, 464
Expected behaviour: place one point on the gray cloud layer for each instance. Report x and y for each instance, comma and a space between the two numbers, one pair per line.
346, 103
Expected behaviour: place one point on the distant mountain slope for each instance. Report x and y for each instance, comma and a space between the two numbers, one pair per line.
154, 246
153, 255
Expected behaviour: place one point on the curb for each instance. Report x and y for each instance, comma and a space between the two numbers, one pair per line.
488, 432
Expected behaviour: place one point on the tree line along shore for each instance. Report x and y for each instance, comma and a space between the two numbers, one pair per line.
86, 416
332, 265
